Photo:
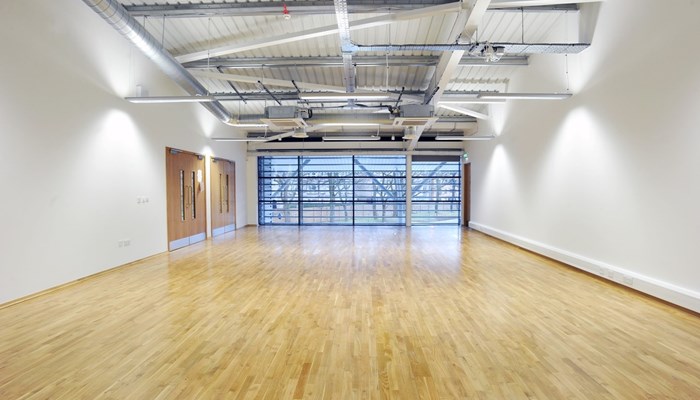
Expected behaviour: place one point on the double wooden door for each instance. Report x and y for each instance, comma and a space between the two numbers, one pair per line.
223, 196
186, 192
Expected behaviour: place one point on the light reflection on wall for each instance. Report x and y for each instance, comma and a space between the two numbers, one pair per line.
207, 121
499, 183
498, 114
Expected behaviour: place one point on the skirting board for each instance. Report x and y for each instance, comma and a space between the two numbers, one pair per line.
663, 290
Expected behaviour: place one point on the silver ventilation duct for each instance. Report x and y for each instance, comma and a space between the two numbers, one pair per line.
117, 16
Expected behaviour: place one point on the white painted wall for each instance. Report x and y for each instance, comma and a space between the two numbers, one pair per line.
608, 180
252, 192
76, 156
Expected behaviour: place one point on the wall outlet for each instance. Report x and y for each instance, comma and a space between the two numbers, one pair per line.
142, 200
124, 243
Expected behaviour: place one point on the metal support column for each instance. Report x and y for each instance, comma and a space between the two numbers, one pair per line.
409, 188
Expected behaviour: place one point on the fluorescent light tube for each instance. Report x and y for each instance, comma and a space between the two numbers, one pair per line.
470, 100
456, 138
171, 99
525, 96
350, 124
252, 139
350, 138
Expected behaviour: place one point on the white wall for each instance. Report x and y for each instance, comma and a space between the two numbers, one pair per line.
608, 180
75, 155
252, 192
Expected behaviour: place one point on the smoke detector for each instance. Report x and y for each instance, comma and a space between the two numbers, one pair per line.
300, 134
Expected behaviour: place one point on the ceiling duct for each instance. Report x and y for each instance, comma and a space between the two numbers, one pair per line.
117, 16
285, 117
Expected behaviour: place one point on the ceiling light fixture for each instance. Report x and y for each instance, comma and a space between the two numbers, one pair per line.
247, 139
350, 138
470, 100
170, 99
350, 124
459, 138
524, 96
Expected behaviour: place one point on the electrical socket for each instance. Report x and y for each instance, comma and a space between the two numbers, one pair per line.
124, 243
627, 280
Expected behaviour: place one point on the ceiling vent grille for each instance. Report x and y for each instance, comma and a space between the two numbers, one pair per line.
415, 115
285, 117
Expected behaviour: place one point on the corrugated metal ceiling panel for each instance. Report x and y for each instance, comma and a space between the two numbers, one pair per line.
189, 35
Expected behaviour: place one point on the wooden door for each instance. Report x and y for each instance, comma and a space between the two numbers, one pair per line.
185, 183
223, 196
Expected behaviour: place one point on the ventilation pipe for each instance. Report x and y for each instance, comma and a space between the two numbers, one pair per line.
117, 16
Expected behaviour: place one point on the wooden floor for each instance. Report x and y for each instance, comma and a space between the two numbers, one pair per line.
347, 313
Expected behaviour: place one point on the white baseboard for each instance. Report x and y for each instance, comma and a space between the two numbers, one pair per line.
673, 294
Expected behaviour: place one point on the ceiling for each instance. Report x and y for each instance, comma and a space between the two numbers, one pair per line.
296, 47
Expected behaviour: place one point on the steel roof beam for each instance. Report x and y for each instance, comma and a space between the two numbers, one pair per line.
382, 119
467, 22
498, 4
478, 48
464, 111
268, 81
282, 83
359, 61
341, 16
294, 96
317, 7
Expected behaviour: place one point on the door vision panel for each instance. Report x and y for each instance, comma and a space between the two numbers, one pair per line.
223, 196
185, 183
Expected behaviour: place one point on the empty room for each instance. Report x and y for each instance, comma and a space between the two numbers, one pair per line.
350, 199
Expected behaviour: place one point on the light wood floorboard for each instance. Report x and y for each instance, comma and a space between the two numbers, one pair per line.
347, 313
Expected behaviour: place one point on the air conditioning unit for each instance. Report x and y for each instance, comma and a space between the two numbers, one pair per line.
415, 115
285, 117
